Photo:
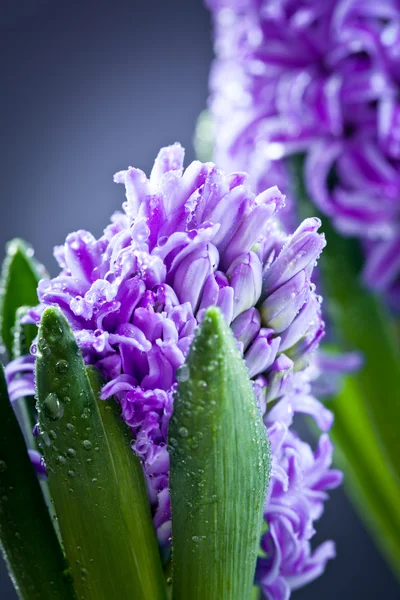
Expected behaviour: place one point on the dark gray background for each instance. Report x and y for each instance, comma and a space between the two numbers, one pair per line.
88, 88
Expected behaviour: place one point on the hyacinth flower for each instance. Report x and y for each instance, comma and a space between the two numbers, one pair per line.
194, 317
306, 93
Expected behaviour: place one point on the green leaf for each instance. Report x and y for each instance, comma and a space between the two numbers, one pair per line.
220, 463
23, 335
367, 478
95, 480
20, 276
204, 137
27, 536
25, 407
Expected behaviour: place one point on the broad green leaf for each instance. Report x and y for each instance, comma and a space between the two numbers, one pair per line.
369, 482
96, 482
20, 276
27, 536
220, 462
25, 407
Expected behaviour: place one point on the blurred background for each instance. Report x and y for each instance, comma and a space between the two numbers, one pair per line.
88, 88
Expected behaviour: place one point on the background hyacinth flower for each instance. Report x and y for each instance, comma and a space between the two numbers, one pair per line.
187, 240
306, 93
320, 78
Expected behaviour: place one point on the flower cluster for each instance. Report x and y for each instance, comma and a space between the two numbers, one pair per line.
189, 239
321, 78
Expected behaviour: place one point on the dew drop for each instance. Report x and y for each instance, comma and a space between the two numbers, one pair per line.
183, 432
44, 348
52, 434
70, 427
61, 460
62, 366
3, 466
71, 452
52, 407
86, 413
183, 373
45, 438
71, 473
87, 444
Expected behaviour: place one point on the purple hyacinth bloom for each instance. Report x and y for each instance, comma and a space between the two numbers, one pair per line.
321, 78
187, 240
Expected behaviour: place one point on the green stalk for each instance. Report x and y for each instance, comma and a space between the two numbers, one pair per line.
367, 480
96, 482
368, 412
27, 537
220, 463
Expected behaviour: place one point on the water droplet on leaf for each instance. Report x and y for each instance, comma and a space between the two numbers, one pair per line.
52, 407
183, 373
62, 366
